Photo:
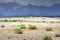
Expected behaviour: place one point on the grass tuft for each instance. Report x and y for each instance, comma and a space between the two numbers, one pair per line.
32, 27
47, 38
49, 29
57, 35
18, 31
22, 26
2, 26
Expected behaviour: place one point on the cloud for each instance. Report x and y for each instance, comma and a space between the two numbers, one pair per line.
44, 2
22, 2
33, 2
6, 1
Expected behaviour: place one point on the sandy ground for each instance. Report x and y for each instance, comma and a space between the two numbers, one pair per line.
8, 32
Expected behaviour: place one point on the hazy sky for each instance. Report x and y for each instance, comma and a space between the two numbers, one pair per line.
33, 2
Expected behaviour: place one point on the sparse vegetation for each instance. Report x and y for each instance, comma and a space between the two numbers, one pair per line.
22, 26
20, 20
5, 20
2, 26
14, 20
52, 22
32, 27
24, 39
9, 37
57, 35
18, 31
43, 21
49, 29
47, 38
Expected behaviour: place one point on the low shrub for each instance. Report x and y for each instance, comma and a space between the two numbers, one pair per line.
49, 29
24, 39
52, 22
47, 38
22, 26
32, 27
5, 20
2, 26
43, 21
57, 35
14, 20
9, 37
18, 31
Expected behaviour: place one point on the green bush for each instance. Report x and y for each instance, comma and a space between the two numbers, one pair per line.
5, 20
24, 39
18, 31
32, 27
57, 35
47, 38
14, 20
2, 26
22, 26
43, 21
48, 29
52, 22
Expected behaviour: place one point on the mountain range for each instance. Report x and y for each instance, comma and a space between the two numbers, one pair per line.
15, 10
